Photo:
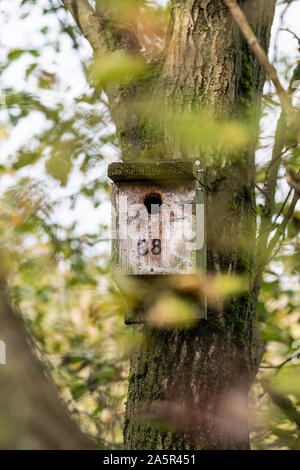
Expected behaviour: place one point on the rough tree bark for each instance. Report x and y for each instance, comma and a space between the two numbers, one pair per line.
196, 380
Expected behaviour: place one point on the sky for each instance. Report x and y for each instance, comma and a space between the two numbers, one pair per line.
24, 33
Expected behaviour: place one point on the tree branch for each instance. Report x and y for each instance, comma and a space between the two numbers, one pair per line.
283, 402
87, 21
281, 229
108, 32
30, 406
284, 97
283, 205
100, 30
265, 256
273, 168
279, 367
293, 180
118, 33
270, 183
269, 189
292, 33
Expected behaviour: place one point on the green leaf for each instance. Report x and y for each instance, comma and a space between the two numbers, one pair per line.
26, 158
203, 129
115, 68
78, 390
30, 69
15, 54
34, 52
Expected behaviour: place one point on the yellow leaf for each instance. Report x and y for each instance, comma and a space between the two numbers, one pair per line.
107, 70
172, 311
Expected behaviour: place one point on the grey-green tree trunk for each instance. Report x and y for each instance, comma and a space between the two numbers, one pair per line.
197, 380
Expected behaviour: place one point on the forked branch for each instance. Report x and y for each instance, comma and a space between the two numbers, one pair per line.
283, 402
284, 97
290, 115
269, 189
87, 21
264, 259
101, 33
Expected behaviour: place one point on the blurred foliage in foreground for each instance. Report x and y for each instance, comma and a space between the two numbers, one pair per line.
58, 270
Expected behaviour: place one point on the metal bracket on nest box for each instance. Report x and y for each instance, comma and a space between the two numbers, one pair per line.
158, 224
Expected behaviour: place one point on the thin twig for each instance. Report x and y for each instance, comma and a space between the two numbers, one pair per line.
261, 190
271, 180
279, 365
270, 100
283, 205
282, 18
267, 253
281, 228
291, 32
286, 149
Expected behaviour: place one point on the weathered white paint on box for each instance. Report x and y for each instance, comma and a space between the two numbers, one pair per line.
157, 254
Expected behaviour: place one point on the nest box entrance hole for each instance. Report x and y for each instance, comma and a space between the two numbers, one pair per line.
153, 203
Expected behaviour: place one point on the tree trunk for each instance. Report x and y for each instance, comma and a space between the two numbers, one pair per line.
32, 415
188, 387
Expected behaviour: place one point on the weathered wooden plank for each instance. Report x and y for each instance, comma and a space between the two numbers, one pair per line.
159, 243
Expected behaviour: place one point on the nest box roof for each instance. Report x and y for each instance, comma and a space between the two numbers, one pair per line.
154, 170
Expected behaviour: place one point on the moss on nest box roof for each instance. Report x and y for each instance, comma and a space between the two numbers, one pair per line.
156, 170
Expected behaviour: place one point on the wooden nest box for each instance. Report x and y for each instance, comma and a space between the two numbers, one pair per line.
158, 221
